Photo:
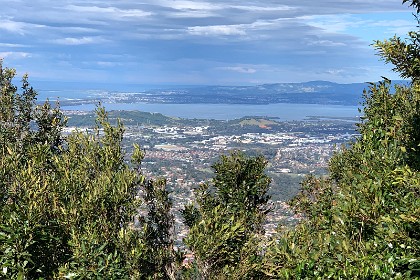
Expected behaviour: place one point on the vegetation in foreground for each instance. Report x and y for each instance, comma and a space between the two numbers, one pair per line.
69, 207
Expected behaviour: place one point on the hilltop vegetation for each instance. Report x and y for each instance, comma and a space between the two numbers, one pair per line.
72, 207
127, 117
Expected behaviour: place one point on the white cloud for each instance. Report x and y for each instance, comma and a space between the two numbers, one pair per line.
229, 36
107, 63
12, 26
239, 69
393, 23
14, 55
8, 45
353, 23
75, 29
79, 41
265, 8
17, 26
113, 12
216, 30
188, 5
332, 23
325, 43
188, 9
335, 71
194, 9
192, 14
258, 30
398, 27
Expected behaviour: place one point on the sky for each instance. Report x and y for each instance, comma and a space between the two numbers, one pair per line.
186, 42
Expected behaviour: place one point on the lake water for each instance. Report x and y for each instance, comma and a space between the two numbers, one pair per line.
283, 111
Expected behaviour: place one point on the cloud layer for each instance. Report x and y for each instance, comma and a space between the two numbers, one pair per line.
199, 42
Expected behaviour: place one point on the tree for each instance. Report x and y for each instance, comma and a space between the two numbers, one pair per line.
20, 121
158, 226
68, 204
228, 213
362, 222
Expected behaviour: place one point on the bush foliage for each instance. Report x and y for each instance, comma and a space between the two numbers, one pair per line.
68, 204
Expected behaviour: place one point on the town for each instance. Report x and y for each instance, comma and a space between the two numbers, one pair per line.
183, 151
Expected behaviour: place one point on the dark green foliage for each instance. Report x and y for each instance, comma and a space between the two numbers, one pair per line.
284, 186
20, 122
158, 228
129, 118
191, 215
68, 205
217, 242
241, 186
402, 54
229, 213
362, 222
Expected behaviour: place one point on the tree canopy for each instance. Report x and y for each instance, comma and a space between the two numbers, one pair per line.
362, 222
68, 203
227, 215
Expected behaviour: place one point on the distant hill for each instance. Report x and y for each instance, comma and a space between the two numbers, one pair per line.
314, 92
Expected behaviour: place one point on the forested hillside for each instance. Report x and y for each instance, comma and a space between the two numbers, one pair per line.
73, 207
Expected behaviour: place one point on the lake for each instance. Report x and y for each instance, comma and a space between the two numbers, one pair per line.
282, 111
